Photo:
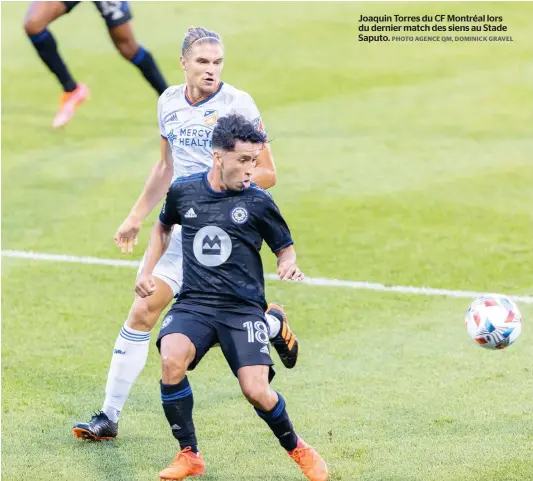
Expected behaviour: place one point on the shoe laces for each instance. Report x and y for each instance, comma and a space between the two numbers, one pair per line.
299, 455
183, 454
96, 416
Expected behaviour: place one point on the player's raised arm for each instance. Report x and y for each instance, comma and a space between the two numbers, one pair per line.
155, 188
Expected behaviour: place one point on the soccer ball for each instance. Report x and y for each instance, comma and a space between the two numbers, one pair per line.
493, 321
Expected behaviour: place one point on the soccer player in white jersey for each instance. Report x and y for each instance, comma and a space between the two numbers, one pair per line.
187, 114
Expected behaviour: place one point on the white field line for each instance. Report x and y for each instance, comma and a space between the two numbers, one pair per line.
314, 281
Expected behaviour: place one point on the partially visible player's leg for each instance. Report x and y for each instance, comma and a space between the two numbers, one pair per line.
184, 339
244, 342
131, 348
281, 335
117, 16
270, 406
129, 358
38, 16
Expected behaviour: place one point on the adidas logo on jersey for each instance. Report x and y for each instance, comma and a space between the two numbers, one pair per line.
190, 214
173, 117
264, 350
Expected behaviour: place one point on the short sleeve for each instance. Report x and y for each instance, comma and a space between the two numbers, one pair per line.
273, 227
170, 211
246, 107
162, 130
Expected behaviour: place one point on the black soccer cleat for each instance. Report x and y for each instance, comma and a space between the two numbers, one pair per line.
285, 341
99, 428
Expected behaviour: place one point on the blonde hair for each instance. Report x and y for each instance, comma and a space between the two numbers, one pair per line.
196, 34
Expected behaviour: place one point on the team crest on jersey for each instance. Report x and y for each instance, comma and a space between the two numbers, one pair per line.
166, 322
210, 117
239, 215
171, 137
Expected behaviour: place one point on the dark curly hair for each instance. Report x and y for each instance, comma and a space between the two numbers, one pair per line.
231, 128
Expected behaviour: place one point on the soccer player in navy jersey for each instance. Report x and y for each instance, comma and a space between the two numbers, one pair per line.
224, 219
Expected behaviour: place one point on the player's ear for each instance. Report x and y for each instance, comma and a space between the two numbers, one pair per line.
183, 63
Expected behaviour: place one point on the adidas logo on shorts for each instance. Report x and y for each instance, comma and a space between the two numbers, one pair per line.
264, 350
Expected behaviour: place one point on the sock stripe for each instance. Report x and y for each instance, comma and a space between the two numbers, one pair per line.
138, 57
177, 395
134, 338
261, 414
131, 336
280, 408
133, 333
39, 36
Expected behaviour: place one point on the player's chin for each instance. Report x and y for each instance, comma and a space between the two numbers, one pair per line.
209, 86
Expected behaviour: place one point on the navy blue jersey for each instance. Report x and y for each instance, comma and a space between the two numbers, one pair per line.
222, 234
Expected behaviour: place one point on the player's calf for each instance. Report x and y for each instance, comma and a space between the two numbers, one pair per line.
128, 47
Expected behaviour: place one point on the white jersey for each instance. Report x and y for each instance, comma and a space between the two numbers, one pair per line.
188, 126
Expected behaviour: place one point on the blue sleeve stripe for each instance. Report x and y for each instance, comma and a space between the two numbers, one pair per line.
163, 137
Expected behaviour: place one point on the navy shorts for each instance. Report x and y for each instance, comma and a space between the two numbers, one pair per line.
242, 334
114, 13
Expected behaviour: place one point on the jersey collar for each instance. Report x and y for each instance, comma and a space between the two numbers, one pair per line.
216, 193
205, 99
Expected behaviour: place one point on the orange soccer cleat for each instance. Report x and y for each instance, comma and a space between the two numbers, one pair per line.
310, 462
186, 463
69, 103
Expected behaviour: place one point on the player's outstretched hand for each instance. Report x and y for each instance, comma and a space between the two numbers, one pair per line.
145, 286
126, 236
289, 271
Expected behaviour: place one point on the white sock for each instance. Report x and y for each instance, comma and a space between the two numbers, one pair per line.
274, 325
129, 357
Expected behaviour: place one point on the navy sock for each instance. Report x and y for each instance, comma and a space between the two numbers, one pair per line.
278, 420
146, 64
178, 403
46, 47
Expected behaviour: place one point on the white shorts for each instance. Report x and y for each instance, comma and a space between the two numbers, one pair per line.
170, 267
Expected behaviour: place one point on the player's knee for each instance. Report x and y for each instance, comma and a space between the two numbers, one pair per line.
34, 25
143, 317
173, 367
177, 353
256, 393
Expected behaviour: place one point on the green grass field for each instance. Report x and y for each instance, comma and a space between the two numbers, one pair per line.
404, 164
